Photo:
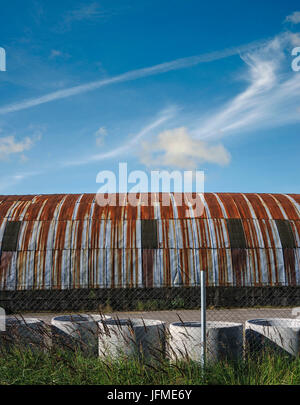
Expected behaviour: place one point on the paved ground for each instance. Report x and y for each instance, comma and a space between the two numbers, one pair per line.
226, 315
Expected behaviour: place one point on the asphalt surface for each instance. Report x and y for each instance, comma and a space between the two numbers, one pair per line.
225, 315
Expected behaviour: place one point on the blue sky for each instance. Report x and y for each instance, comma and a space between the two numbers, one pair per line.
161, 85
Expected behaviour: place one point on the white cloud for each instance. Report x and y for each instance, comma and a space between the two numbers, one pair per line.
55, 53
100, 135
177, 149
9, 146
293, 18
295, 38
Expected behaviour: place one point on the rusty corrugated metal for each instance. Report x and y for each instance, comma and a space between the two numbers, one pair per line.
69, 241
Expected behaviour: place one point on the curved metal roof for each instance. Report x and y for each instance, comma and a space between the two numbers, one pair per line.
65, 207
69, 241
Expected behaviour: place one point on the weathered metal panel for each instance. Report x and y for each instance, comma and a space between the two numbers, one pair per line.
61, 264
175, 271
18, 210
97, 268
67, 208
25, 270
167, 267
62, 235
204, 235
52, 206
261, 233
274, 237
187, 238
118, 234
290, 210
297, 265
279, 267
123, 267
98, 234
191, 233
295, 200
148, 267
253, 234
167, 234
215, 209
79, 268
289, 258
239, 266
222, 273
43, 264
229, 205
8, 271
295, 227
256, 206
35, 208
164, 265
28, 235
11, 270
80, 234
5, 208
117, 263
114, 234
272, 207
45, 236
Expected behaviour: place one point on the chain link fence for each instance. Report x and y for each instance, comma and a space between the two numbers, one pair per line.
158, 322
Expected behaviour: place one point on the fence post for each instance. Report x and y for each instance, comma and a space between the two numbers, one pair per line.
203, 318
2, 320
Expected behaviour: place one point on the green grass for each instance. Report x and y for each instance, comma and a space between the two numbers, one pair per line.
62, 367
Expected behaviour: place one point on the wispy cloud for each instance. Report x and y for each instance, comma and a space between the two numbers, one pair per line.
55, 53
86, 12
6, 182
176, 148
100, 135
293, 18
270, 99
128, 76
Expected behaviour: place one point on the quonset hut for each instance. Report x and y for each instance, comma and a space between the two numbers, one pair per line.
67, 252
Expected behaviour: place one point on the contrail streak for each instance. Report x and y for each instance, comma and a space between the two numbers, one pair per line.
128, 76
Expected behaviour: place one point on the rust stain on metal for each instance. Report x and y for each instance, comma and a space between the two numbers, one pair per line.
69, 241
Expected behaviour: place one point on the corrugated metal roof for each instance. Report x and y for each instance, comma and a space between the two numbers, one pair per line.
69, 241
